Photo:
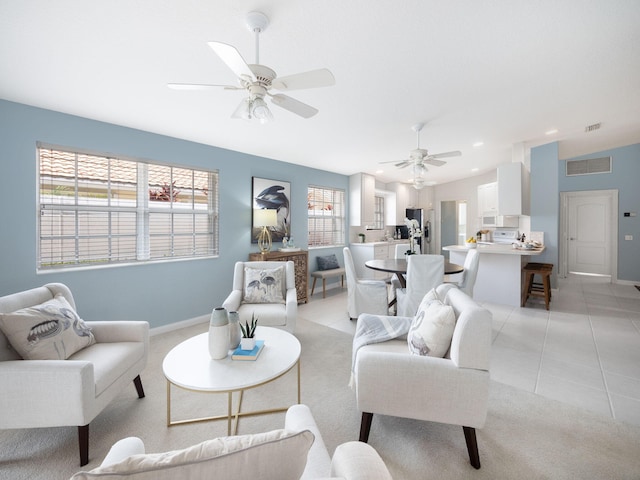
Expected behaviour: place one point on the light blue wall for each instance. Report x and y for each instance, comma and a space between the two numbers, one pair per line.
548, 179
545, 201
161, 293
624, 177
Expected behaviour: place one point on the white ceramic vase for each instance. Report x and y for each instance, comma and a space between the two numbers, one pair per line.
234, 330
219, 334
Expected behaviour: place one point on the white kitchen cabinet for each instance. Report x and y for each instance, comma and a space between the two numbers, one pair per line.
361, 252
488, 198
362, 191
488, 207
406, 197
513, 189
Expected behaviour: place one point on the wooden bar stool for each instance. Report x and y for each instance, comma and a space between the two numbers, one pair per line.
535, 289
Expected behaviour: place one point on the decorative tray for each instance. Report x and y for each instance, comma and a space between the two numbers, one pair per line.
289, 249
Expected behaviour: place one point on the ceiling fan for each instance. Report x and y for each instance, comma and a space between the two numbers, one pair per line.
420, 157
258, 80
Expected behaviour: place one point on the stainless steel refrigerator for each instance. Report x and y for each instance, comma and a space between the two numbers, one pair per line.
425, 220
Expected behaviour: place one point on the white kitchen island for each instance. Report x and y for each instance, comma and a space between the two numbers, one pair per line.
499, 277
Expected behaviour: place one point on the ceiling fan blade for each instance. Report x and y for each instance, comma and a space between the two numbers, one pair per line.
201, 86
232, 58
434, 162
404, 164
311, 79
293, 105
455, 153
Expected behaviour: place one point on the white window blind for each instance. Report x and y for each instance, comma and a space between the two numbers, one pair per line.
326, 217
99, 210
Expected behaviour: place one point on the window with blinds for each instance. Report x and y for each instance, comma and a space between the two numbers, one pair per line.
326, 217
97, 210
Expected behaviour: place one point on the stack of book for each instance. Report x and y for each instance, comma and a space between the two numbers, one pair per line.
239, 354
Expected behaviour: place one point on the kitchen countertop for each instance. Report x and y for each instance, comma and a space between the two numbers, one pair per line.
496, 249
382, 242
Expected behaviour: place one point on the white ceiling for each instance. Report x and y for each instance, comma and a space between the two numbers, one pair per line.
499, 71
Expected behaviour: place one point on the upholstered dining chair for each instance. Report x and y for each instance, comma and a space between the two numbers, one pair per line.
266, 289
451, 387
57, 372
471, 263
424, 272
363, 296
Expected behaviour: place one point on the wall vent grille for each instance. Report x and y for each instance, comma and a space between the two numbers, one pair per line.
589, 166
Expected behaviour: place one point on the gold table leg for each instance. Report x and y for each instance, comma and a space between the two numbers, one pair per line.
229, 416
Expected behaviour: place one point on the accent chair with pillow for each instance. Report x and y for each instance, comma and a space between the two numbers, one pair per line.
433, 367
295, 452
56, 369
266, 289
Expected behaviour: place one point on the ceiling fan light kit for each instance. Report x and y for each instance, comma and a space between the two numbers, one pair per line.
257, 80
419, 157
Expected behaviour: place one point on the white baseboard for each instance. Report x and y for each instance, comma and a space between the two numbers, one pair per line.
178, 325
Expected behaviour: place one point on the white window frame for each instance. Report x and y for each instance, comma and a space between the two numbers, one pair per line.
186, 230
326, 217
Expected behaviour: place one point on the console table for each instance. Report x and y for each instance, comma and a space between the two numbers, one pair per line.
300, 261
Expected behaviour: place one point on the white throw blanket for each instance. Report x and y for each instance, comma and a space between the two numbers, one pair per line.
375, 329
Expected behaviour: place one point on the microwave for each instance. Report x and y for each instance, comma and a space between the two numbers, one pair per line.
493, 220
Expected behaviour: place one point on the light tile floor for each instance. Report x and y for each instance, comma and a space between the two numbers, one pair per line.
584, 351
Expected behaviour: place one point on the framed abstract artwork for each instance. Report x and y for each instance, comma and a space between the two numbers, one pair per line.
273, 195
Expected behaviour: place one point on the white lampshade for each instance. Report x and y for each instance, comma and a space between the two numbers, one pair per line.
261, 111
265, 217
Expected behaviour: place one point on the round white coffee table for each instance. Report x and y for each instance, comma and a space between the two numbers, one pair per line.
189, 366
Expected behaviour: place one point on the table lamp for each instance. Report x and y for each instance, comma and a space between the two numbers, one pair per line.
264, 218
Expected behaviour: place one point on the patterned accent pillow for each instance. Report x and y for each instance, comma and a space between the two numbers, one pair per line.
263, 285
327, 262
49, 331
432, 328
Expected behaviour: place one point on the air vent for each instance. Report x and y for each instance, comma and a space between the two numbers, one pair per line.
589, 166
591, 128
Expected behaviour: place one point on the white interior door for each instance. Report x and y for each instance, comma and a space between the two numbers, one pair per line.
589, 232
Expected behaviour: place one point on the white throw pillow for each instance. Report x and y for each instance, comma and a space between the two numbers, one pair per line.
49, 331
263, 285
432, 329
274, 455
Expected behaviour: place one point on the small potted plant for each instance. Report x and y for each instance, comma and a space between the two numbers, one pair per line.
248, 341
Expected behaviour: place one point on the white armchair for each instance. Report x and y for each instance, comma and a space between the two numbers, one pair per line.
424, 272
281, 314
364, 296
55, 393
389, 380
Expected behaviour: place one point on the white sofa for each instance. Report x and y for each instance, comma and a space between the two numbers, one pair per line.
297, 451
71, 392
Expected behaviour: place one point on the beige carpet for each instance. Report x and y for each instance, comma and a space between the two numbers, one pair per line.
526, 436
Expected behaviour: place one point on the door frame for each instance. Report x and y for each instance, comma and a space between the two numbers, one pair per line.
563, 253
